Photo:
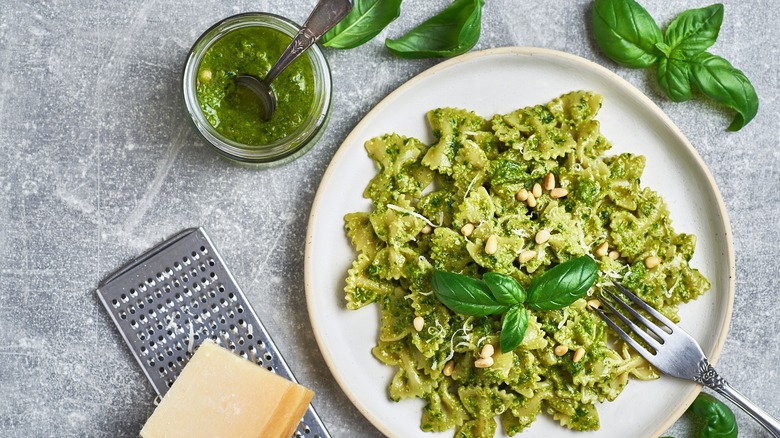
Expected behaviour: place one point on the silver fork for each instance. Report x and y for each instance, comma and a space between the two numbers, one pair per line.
676, 353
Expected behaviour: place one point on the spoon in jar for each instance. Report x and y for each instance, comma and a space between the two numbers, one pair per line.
325, 15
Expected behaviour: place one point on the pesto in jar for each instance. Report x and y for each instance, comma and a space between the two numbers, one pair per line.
233, 110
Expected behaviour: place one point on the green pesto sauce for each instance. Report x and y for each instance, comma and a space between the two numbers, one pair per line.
233, 110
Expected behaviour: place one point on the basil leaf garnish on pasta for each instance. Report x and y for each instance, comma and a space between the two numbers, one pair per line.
505, 289
464, 294
513, 328
497, 293
563, 284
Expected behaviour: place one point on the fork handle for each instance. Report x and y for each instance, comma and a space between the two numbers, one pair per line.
767, 421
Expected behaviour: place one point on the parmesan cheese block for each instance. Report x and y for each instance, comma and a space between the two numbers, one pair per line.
219, 394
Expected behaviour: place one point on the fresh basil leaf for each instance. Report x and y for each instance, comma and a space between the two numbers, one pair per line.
464, 294
563, 284
513, 328
718, 79
694, 31
674, 78
451, 32
626, 32
505, 289
364, 22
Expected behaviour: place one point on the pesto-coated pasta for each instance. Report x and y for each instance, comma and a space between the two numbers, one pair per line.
436, 206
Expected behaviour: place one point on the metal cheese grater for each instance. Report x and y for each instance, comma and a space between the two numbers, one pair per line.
179, 293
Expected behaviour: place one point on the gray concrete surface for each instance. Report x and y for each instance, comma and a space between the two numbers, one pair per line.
97, 163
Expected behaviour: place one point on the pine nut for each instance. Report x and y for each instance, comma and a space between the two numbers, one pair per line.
205, 75
531, 201
558, 192
426, 229
652, 261
578, 354
542, 236
418, 323
602, 249
614, 255
449, 367
549, 181
537, 190
487, 351
484, 362
492, 244
526, 256
467, 229
522, 195
594, 304
560, 350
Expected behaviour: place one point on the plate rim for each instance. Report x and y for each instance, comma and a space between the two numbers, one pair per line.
522, 51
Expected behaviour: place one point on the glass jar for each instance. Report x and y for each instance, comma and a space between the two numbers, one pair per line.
275, 152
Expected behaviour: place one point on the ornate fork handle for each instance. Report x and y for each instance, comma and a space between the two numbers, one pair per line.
708, 377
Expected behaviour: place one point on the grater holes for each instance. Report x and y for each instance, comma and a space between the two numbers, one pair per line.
177, 266
142, 337
124, 298
220, 288
115, 303
149, 300
204, 250
268, 357
168, 272
134, 325
131, 309
202, 267
160, 276
150, 282
214, 277
195, 255
186, 260
158, 294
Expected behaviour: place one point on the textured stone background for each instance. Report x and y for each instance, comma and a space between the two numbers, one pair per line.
98, 163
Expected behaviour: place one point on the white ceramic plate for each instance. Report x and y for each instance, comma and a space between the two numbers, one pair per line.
499, 81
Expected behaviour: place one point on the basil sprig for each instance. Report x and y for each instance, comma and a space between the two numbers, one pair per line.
501, 294
453, 31
366, 19
627, 33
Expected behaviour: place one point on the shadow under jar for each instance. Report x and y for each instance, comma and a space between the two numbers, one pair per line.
228, 115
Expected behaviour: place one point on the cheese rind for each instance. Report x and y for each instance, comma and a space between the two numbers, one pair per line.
219, 394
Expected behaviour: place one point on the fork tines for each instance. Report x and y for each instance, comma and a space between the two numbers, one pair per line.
654, 342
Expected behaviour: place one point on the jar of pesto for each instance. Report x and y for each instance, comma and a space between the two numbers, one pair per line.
228, 115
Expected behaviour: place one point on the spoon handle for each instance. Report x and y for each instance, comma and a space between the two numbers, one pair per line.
325, 15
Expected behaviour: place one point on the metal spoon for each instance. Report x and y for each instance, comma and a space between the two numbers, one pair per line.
324, 16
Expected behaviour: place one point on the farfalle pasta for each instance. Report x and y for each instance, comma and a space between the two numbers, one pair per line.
537, 169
